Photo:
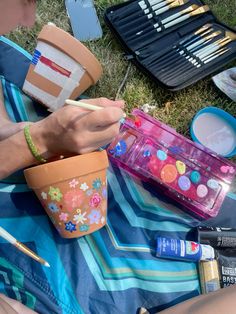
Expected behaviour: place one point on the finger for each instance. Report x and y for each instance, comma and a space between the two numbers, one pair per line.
105, 102
94, 140
14, 306
103, 118
5, 307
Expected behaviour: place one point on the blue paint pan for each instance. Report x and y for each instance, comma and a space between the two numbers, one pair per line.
215, 129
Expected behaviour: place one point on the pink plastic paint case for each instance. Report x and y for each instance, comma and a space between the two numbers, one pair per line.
186, 171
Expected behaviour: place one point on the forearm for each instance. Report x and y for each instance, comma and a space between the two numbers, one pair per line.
67, 131
15, 153
3, 113
218, 302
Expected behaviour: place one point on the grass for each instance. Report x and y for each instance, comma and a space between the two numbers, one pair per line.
174, 108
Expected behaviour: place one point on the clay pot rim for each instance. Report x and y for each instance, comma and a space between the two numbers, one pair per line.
70, 49
60, 170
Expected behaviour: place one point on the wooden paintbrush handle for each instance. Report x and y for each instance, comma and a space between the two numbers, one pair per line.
172, 17
174, 22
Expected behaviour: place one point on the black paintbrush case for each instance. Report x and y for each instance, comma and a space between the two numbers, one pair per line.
164, 55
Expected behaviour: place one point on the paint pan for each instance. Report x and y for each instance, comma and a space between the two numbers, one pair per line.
215, 129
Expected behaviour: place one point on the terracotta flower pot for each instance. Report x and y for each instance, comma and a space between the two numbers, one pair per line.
62, 67
73, 192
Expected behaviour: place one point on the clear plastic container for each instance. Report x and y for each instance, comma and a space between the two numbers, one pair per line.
186, 171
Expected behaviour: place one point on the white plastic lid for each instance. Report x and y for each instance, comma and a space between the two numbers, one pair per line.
215, 129
208, 253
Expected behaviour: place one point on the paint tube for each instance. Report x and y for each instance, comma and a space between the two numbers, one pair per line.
209, 276
183, 250
227, 266
217, 237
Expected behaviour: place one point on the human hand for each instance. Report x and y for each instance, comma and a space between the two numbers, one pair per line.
10, 306
73, 130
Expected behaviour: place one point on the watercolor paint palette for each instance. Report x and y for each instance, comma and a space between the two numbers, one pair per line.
186, 171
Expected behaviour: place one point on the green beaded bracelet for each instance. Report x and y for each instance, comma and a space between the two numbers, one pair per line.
32, 147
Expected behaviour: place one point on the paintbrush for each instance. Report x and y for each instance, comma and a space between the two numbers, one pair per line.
193, 40
195, 45
132, 21
179, 65
200, 10
140, 12
176, 15
133, 7
212, 56
170, 6
184, 77
144, 20
142, 310
195, 34
85, 105
176, 60
20, 246
196, 62
161, 4
211, 48
189, 38
206, 59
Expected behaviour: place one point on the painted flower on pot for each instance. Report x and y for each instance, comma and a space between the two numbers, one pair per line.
69, 226
53, 207
104, 192
97, 184
80, 218
103, 220
44, 195
89, 192
63, 216
94, 216
84, 186
84, 228
73, 183
73, 199
55, 194
95, 200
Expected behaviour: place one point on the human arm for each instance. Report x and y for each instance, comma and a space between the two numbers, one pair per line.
7, 127
67, 131
222, 301
11, 306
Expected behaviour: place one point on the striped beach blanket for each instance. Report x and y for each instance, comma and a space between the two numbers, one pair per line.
113, 270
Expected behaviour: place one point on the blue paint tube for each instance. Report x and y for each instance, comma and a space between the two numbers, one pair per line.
184, 250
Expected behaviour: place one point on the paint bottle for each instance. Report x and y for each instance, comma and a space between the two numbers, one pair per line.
183, 250
209, 276
227, 266
217, 237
